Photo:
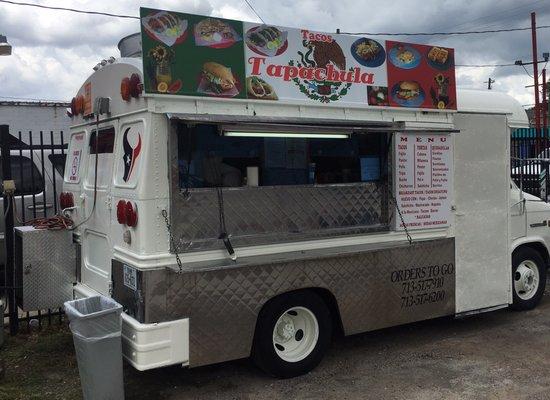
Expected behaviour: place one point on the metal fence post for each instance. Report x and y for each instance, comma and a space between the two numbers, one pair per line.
8, 231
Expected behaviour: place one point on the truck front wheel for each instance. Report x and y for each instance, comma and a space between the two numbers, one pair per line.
292, 334
528, 278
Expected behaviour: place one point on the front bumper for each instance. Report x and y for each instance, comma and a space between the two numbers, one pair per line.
148, 346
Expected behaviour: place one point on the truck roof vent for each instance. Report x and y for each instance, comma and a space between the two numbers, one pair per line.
130, 46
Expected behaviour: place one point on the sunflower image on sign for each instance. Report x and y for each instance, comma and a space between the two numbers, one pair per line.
326, 55
159, 70
440, 92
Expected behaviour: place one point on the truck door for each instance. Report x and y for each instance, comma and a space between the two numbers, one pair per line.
96, 243
482, 192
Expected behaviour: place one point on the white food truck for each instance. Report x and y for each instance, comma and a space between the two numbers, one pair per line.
230, 226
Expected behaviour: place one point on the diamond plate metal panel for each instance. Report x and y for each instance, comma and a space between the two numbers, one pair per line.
373, 289
262, 215
45, 262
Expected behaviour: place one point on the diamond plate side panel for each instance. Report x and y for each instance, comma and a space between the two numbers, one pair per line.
46, 263
373, 289
261, 215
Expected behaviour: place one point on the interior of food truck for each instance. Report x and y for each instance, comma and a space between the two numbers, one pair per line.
280, 182
235, 156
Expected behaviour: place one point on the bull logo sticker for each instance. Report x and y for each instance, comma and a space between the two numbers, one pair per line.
131, 153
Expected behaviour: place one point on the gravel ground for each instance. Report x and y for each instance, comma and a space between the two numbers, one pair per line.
498, 355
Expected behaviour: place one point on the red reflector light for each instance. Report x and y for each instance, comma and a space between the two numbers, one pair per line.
66, 200
125, 91
121, 212
131, 214
135, 85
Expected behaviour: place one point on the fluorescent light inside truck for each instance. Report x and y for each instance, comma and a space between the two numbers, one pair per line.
287, 135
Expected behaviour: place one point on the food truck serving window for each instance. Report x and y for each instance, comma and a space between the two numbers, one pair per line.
209, 157
271, 186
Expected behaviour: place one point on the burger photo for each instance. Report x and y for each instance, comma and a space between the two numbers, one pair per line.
408, 90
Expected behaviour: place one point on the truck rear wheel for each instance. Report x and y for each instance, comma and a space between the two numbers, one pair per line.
528, 278
292, 334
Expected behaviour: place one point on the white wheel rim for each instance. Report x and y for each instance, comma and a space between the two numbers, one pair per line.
295, 334
526, 280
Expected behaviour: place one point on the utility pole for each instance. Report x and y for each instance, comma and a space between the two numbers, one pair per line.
489, 83
544, 107
535, 69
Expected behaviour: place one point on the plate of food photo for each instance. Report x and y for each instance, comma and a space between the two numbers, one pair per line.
377, 96
439, 58
217, 80
257, 88
267, 40
404, 56
215, 33
368, 52
408, 94
165, 27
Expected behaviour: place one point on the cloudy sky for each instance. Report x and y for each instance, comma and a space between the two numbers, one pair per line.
54, 51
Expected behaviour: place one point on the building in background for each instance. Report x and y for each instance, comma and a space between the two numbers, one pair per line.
31, 116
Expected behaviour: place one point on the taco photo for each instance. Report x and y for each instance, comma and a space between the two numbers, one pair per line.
267, 40
215, 33
165, 27
257, 88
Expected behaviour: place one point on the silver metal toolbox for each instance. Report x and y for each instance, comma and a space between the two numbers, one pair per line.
45, 267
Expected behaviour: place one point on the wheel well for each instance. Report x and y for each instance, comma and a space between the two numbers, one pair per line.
332, 305
539, 248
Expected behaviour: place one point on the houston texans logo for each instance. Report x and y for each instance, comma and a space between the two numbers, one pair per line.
130, 155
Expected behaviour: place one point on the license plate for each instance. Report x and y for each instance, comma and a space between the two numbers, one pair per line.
130, 277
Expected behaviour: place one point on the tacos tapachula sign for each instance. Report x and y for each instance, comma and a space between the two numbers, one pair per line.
216, 57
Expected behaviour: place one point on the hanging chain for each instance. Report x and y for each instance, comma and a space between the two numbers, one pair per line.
409, 238
172, 241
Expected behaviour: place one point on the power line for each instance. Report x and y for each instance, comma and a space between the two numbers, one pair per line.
68, 9
444, 33
254, 10
490, 16
484, 65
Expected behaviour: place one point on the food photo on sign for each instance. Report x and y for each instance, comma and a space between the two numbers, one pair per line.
215, 33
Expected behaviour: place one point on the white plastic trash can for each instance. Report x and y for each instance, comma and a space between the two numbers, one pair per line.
96, 325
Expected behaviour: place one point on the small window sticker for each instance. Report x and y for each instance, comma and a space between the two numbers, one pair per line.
130, 277
75, 165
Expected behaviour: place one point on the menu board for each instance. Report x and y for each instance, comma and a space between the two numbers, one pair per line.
423, 180
193, 55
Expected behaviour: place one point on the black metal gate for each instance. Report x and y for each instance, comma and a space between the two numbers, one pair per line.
35, 161
530, 158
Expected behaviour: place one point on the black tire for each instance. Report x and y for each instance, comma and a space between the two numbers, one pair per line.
264, 352
521, 255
